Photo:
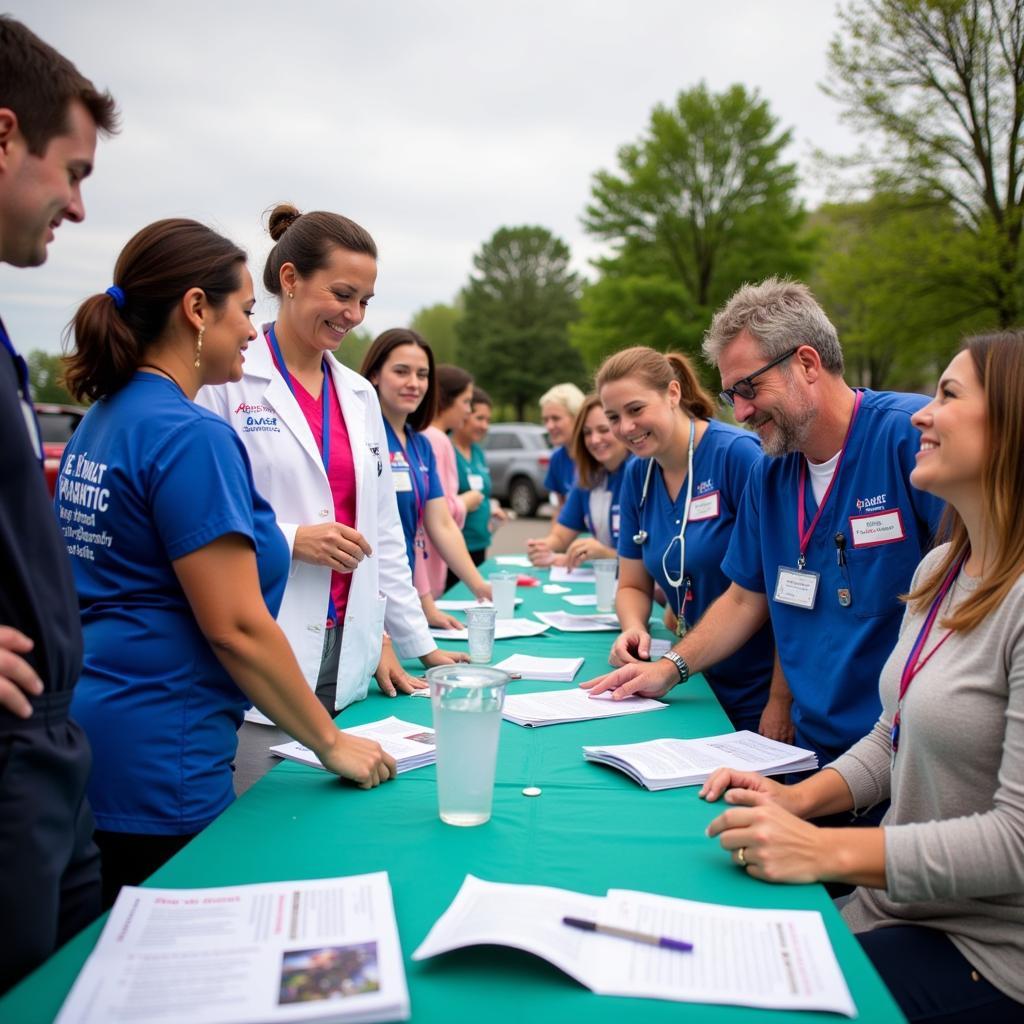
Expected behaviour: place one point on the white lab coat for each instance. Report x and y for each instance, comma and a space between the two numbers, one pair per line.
289, 473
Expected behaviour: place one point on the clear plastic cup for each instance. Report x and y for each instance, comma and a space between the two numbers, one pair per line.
503, 589
480, 621
604, 572
466, 701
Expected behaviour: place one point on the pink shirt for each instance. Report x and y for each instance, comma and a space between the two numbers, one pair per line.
431, 570
341, 474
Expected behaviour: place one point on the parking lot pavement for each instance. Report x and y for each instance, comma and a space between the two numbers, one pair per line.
511, 538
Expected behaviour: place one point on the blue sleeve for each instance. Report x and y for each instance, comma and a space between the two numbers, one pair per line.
551, 482
744, 453
200, 487
574, 512
434, 488
743, 563
629, 509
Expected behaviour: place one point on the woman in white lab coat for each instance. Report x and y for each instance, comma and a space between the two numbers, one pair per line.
335, 502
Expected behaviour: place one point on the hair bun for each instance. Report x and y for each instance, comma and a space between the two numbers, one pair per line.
281, 219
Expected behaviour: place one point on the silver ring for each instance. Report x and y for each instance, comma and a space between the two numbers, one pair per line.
741, 856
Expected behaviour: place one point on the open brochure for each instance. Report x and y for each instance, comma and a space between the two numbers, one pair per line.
555, 707
668, 763
411, 745
567, 622
555, 670
779, 959
504, 629
319, 950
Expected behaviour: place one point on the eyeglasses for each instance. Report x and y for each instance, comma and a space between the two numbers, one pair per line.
745, 386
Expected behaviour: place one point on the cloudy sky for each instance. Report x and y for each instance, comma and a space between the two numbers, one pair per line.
431, 123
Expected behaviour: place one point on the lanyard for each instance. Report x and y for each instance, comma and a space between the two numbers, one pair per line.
804, 533
325, 396
24, 386
915, 662
417, 487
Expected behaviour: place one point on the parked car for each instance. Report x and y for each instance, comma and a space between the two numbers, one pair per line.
518, 455
56, 424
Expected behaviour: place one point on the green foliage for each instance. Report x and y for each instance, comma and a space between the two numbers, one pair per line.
45, 372
437, 324
514, 334
354, 347
898, 277
939, 85
701, 203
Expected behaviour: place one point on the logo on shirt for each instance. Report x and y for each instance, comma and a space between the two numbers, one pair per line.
248, 408
866, 504
375, 452
705, 485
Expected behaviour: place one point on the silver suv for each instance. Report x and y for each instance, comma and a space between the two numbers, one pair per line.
518, 456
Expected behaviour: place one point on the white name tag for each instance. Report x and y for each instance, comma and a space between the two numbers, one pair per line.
797, 587
403, 481
704, 507
476, 482
877, 528
616, 518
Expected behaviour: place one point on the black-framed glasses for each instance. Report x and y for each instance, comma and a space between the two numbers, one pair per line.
744, 387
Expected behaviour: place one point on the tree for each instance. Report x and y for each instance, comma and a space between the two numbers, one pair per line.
894, 273
351, 351
701, 203
438, 325
514, 334
941, 83
46, 372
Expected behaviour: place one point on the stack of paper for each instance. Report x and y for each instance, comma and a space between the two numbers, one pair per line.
504, 629
318, 950
411, 745
668, 763
555, 707
569, 623
556, 670
778, 959
562, 574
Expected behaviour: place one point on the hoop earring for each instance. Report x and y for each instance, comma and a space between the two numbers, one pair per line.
199, 345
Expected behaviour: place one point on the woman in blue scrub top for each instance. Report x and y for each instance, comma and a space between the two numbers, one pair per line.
400, 365
678, 504
593, 503
559, 407
178, 562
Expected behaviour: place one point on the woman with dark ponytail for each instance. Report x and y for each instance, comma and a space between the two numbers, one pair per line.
177, 559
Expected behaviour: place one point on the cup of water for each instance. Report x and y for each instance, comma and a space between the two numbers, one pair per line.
503, 588
466, 701
604, 571
480, 622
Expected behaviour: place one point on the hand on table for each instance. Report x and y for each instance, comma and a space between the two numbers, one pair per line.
631, 646
539, 553
438, 619
644, 678
391, 677
361, 760
335, 545
583, 549
439, 657
17, 676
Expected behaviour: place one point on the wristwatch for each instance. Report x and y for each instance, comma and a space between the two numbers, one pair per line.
681, 667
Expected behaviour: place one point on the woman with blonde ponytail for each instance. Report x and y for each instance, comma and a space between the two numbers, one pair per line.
178, 562
678, 505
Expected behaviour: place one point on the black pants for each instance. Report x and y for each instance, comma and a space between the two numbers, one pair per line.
49, 865
932, 981
130, 858
479, 556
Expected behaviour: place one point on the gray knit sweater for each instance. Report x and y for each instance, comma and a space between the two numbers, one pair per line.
954, 836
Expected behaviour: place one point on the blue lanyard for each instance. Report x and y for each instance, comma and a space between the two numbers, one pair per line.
418, 496
25, 387
325, 396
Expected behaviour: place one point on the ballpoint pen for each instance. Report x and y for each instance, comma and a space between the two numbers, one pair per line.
626, 933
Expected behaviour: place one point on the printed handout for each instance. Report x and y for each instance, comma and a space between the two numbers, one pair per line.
411, 745
556, 707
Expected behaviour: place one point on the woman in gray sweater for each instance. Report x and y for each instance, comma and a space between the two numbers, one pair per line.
939, 906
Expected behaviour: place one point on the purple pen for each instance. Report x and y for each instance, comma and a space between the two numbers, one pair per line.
625, 933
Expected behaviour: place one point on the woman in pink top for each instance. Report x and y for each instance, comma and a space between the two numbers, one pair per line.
454, 394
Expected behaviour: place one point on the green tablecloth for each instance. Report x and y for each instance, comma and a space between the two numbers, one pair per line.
590, 830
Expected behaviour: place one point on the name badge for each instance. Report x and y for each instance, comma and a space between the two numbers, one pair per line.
476, 482
616, 518
797, 587
402, 478
877, 528
705, 507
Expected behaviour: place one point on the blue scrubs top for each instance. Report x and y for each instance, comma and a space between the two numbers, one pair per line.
575, 513
722, 464
148, 478
415, 485
561, 474
832, 655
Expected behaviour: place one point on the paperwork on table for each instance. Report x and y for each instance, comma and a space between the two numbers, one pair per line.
504, 629
555, 707
520, 561
411, 745
569, 623
778, 959
555, 670
563, 574
455, 605
668, 763
582, 600
319, 950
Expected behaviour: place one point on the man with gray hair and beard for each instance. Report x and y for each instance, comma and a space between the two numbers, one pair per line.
829, 531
